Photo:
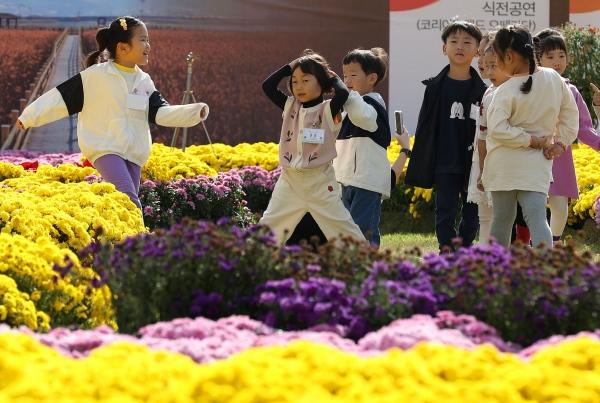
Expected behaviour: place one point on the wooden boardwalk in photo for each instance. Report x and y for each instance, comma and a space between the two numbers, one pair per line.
59, 136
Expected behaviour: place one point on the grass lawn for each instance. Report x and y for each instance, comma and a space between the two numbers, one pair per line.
401, 232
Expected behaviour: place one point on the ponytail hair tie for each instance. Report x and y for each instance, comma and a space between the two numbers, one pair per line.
529, 45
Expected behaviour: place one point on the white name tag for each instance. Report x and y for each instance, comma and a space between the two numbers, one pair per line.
475, 112
138, 102
313, 136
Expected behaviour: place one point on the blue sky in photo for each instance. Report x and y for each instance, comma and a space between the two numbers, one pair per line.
173, 8
72, 8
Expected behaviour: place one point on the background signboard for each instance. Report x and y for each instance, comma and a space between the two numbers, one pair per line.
416, 46
585, 12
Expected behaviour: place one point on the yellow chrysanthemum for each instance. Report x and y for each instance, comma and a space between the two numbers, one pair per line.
38, 296
69, 213
301, 371
587, 167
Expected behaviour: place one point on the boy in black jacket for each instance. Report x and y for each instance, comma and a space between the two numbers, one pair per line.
442, 152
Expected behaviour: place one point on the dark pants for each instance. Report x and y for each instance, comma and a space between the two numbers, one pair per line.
365, 208
449, 193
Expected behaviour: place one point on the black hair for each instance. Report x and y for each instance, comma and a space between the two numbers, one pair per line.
468, 27
548, 40
518, 39
120, 30
313, 63
374, 60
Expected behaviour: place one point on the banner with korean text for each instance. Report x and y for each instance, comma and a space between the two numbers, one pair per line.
416, 45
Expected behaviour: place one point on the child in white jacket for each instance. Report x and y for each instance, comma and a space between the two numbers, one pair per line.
361, 165
115, 101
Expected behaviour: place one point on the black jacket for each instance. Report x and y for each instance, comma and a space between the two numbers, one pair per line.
421, 166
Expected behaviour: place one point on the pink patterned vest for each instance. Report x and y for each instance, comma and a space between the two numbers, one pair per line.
293, 152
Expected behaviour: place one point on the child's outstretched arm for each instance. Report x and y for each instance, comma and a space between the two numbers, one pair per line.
59, 102
360, 112
163, 114
269, 86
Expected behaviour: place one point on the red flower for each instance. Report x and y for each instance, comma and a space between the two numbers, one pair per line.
32, 166
86, 163
330, 188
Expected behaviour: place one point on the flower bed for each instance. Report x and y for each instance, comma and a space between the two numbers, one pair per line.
587, 166
68, 213
33, 294
54, 159
302, 370
264, 155
216, 270
168, 163
205, 197
526, 294
205, 340
256, 162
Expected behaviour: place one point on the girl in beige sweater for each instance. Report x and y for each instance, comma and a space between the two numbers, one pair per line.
522, 118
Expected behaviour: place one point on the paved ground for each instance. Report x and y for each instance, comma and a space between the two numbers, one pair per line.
59, 136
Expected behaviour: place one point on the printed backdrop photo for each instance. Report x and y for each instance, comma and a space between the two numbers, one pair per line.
416, 46
237, 44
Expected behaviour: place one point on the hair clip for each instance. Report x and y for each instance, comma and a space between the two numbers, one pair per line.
123, 23
529, 45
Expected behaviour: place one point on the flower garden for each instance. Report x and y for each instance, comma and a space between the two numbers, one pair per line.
198, 303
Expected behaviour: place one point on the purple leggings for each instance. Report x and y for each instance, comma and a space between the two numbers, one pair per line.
125, 175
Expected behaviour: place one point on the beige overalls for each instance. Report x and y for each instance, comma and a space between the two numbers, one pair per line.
307, 182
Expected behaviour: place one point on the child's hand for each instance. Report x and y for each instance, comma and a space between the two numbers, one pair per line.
480, 184
403, 138
554, 151
596, 91
538, 143
332, 74
20, 125
549, 152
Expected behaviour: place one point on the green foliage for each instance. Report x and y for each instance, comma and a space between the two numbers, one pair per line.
583, 44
